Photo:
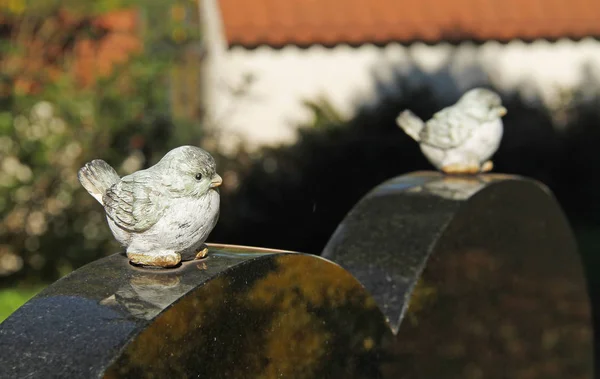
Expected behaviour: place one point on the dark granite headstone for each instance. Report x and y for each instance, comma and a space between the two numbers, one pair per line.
479, 277
470, 278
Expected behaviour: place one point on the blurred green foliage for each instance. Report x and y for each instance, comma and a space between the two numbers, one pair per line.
52, 122
13, 298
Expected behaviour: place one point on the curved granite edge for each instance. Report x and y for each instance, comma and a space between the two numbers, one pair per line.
281, 316
76, 326
239, 313
403, 220
473, 273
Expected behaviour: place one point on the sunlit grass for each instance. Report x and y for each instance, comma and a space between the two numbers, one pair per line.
12, 298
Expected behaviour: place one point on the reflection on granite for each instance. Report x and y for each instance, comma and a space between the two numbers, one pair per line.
452, 188
482, 278
289, 316
146, 295
458, 278
76, 327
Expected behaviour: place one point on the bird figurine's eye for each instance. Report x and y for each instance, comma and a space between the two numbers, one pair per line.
198, 176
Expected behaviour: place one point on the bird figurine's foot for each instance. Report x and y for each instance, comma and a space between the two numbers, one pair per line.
460, 169
202, 252
487, 166
154, 259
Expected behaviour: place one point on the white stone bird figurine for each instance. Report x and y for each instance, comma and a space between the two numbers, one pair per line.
161, 214
460, 139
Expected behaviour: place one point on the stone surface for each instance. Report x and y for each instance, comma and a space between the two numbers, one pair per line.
479, 277
239, 313
470, 278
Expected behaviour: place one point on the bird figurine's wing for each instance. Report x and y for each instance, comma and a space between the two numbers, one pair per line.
448, 128
133, 204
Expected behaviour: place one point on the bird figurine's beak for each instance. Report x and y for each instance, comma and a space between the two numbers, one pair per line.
216, 181
501, 111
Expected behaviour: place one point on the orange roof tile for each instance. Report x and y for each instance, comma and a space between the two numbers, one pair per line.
96, 58
330, 22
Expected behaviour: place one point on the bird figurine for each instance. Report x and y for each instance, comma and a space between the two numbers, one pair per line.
461, 138
162, 214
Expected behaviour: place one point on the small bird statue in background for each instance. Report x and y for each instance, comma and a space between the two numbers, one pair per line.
162, 214
460, 139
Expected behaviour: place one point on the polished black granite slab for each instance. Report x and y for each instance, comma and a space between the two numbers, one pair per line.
239, 313
438, 277
479, 277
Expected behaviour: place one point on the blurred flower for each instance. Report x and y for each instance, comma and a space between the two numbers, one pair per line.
9, 261
6, 144
15, 220
70, 153
42, 111
12, 167
36, 223
57, 126
133, 163
22, 195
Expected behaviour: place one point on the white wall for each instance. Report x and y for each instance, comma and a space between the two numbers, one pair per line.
271, 110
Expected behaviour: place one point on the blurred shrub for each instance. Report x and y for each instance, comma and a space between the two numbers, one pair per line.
53, 119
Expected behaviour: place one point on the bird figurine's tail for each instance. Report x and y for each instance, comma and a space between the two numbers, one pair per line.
96, 177
411, 124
